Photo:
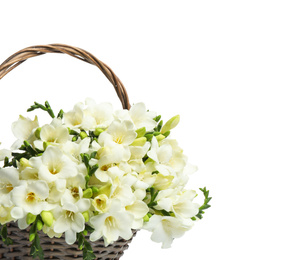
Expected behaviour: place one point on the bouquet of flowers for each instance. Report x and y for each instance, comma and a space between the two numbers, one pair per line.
97, 173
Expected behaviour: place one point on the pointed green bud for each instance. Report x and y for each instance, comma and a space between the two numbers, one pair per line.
47, 218
83, 135
141, 132
149, 137
139, 141
32, 237
30, 218
85, 232
95, 190
166, 134
88, 193
86, 216
87, 178
39, 225
157, 118
170, 124
106, 189
98, 131
146, 218
24, 163
37, 132
160, 137
75, 138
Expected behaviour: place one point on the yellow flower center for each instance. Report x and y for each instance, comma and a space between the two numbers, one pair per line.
31, 197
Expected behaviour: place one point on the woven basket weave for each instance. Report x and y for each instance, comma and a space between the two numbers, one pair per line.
57, 248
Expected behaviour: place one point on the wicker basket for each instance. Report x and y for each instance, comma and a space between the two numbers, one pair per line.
57, 248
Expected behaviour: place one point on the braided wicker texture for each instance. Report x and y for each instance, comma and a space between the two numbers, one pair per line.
56, 248
19, 57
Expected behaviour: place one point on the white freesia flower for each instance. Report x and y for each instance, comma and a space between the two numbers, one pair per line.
113, 224
30, 198
179, 203
54, 165
161, 156
97, 115
23, 130
5, 215
54, 133
5, 153
69, 219
73, 150
9, 178
164, 229
118, 132
23, 127
138, 209
139, 115
74, 118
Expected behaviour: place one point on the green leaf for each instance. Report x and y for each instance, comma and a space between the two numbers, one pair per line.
4, 235
205, 204
88, 253
83, 244
36, 249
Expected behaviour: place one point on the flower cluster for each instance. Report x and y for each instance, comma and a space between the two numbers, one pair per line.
98, 170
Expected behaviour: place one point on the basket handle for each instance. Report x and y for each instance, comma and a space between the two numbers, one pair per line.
19, 57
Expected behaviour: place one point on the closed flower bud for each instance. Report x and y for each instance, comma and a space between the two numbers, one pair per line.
95, 189
86, 216
160, 137
83, 135
98, 131
32, 237
24, 163
146, 218
47, 218
30, 218
88, 193
139, 141
37, 132
39, 225
170, 124
141, 132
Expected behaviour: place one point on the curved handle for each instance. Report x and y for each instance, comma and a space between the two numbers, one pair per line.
19, 57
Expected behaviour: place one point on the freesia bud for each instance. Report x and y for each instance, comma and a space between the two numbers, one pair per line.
141, 132
24, 163
30, 218
160, 137
170, 124
98, 131
37, 132
88, 193
139, 141
47, 218
95, 189
32, 237
86, 216
146, 218
83, 135
39, 225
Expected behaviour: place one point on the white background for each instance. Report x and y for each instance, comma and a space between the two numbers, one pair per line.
221, 65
